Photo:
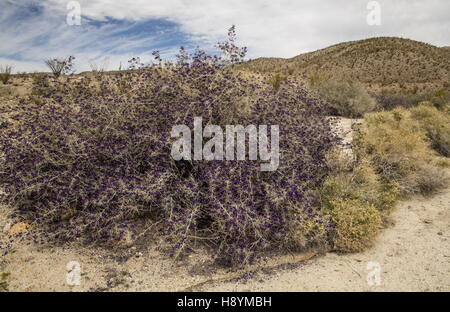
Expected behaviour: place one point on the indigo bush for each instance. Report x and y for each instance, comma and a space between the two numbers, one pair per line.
90, 160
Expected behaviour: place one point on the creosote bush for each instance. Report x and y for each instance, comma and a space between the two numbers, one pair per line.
90, 160
357, 224
436, 125
398, 148
357, 180
349, 99
387, 101
357, 199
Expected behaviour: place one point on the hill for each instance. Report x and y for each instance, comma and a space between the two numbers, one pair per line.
381, 61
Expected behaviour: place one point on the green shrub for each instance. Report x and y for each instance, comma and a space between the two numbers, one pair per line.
360, 182
357, 200
349, 99
398, 148
436, 125
388, 100
357, 180
356, 224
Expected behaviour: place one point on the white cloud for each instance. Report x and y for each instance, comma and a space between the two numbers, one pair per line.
281, 28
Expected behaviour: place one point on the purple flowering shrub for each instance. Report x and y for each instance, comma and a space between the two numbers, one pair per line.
89, 159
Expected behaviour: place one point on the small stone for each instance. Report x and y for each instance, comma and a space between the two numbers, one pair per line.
440, 233
138, 254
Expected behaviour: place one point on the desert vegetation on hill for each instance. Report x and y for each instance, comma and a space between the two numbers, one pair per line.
380, 62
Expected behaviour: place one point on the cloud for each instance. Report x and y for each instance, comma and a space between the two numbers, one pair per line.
282, 28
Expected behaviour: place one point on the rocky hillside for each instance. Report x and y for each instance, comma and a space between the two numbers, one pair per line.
382, 61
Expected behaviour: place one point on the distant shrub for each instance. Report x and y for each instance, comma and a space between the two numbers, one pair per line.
91, 161
60, 66
398, 148
99, 67
439, 98
389, 101
349, 99
5, 73
6, 90
436, 125
315, 79
276, 81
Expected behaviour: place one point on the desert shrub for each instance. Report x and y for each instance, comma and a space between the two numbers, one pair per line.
359, 181
6, 90
397, 147
356, 179
429, 179
349, 99
3, 281
5, 73
389, 101
276, 81
439, 98
316, 79
60, 66
357, 199
436, 125
99, 67
92, 162
356, 224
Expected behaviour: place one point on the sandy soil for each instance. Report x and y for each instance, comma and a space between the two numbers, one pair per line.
413, 255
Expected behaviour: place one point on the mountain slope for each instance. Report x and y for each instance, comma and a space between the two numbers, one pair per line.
383, 60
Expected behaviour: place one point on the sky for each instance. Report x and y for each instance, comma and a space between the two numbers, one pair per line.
113, 31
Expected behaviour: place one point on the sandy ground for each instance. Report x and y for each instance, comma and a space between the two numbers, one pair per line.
411, 255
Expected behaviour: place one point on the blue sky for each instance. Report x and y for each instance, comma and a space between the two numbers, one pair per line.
113, 31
